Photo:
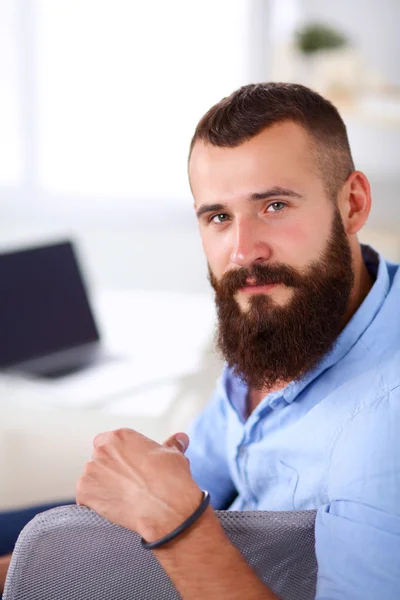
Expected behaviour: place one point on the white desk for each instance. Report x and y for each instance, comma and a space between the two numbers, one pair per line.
45, 440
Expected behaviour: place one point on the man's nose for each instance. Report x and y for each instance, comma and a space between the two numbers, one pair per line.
248, 244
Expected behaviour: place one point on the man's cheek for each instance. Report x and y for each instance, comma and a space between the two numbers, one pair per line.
297, 247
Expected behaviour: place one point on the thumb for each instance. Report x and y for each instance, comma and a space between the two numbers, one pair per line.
180, 441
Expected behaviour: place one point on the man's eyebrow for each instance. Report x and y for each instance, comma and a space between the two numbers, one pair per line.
206, 208
274, 192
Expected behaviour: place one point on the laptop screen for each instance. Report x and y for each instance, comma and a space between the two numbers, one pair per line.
44, 307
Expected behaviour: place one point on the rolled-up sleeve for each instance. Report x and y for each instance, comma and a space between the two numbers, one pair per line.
358, 532
207, 452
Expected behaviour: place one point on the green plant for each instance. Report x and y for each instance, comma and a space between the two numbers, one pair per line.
315, 36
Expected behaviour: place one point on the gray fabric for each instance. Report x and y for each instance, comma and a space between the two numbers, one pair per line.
70, 553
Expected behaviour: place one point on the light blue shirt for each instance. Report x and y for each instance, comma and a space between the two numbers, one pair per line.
330, 441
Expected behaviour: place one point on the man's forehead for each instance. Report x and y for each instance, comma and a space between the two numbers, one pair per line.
278, 154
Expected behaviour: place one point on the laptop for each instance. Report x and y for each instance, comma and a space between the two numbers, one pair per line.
47, 326
49, 337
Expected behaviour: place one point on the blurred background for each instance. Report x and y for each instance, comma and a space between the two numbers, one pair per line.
98, 103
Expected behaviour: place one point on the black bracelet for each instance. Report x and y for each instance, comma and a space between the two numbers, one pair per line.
185, 525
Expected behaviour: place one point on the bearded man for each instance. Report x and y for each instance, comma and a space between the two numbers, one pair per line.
306, 414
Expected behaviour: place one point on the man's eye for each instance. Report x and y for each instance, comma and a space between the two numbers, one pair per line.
276, 207
221, 218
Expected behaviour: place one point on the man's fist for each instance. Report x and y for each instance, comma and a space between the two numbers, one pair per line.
138, 483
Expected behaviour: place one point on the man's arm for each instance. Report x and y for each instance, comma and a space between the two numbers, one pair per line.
148, 488
358, 533
204, 564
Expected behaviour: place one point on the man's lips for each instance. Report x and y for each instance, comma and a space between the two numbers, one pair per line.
252, 287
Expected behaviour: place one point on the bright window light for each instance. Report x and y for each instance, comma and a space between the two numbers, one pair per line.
121, 85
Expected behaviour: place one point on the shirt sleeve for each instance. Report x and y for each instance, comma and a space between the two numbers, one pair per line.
207, 453
358, 533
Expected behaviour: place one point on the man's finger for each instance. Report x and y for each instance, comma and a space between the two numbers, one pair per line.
100, 439
180, 441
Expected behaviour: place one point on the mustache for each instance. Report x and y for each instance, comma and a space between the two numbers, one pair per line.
260, 274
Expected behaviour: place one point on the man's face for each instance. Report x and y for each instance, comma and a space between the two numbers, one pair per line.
279, 259
289, 227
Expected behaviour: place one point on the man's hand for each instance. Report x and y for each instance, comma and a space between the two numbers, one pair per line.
138, 483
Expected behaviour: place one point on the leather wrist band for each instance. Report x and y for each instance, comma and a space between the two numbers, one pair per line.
185, 525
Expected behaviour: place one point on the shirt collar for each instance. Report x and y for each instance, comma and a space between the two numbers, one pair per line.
355, 328
235, 390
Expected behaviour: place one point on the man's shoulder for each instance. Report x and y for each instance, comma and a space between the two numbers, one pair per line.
377, 352
365, 376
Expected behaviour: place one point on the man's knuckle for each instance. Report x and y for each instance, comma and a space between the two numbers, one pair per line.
101, 451
99, 439
121, 433
118, 434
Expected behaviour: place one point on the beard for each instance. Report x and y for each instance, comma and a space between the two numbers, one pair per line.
269, 344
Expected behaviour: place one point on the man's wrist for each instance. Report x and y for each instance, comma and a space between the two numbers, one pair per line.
180, 529
206, 530
172, 517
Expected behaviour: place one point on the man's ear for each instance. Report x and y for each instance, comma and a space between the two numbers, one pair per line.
355, 202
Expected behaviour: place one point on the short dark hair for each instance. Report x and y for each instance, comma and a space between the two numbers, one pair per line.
255, 107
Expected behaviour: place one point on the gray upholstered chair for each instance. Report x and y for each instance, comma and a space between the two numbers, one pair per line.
70, 553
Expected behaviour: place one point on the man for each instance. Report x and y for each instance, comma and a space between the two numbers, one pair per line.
307, 411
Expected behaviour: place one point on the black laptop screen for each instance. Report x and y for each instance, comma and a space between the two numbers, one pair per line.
43, 304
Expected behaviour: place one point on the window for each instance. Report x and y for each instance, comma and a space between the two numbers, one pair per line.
120, 86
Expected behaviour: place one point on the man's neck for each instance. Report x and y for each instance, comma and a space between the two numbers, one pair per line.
254, 396
363, 282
